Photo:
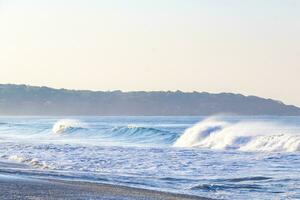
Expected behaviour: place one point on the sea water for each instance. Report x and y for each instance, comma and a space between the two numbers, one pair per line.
219, 157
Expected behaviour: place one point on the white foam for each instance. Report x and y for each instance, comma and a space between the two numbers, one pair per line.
193, 135
34, 162
132, 126
244, 136
65, 124
16, 158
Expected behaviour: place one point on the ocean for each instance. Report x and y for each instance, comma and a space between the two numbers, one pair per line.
223, 157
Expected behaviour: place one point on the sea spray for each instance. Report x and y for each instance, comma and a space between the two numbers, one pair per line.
244, 135
193, 135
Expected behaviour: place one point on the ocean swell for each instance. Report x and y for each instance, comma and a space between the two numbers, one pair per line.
133, 135
141, 135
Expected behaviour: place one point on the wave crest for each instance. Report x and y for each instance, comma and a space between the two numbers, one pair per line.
67, 125
133, 134
244, 136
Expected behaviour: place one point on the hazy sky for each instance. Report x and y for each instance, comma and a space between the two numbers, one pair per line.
243, 46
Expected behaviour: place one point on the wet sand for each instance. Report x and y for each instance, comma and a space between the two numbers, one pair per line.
13, 186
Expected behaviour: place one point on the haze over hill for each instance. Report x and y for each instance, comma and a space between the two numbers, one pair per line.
31, 100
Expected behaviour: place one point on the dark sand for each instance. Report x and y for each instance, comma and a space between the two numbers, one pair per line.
22, 187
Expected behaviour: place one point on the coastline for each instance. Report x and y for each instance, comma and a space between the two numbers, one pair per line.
18, 186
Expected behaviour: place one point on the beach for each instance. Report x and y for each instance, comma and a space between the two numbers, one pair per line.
17, 186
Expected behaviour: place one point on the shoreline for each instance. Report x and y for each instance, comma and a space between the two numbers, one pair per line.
18, 186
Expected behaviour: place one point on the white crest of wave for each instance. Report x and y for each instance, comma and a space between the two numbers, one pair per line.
244, 136
193, 135
132, 126
63, 125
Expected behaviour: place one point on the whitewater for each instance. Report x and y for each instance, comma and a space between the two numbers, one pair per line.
221, 157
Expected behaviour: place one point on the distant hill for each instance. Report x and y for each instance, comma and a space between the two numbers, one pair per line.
30, 100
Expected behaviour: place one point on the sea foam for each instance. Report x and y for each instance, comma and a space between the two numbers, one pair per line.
245, 136
65, 125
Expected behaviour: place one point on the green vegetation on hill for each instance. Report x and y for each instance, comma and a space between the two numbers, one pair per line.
30, 100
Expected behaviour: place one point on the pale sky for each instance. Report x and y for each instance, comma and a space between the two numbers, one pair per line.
242, 46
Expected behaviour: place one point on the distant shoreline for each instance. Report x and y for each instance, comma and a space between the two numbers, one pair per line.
44, 101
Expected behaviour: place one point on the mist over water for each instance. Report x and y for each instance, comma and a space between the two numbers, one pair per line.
219, 157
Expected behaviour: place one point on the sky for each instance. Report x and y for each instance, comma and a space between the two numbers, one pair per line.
241, 46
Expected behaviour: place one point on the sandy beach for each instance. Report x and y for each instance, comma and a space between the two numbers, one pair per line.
18, 186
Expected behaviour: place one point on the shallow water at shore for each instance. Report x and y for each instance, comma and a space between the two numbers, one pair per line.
21, 186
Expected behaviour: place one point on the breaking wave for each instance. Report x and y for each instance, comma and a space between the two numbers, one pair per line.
245, 136
68, 125
212, 133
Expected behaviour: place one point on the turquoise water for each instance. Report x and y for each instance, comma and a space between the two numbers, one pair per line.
219, 157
